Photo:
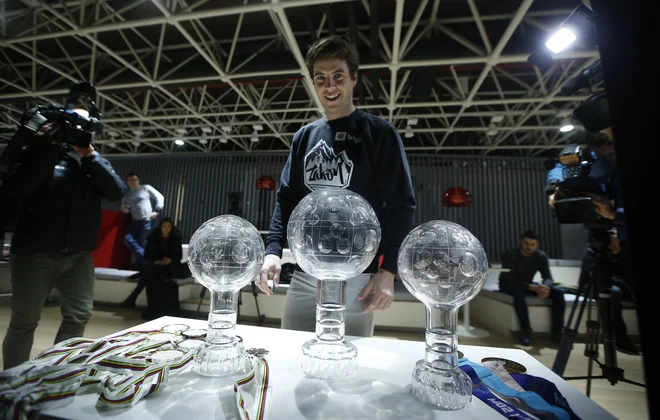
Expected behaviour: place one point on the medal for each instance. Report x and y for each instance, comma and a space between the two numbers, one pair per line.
509, 365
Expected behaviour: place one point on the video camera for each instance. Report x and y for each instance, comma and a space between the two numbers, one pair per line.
74, 129
594, 112
574, 177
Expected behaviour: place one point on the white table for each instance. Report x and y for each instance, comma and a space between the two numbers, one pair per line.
381, 390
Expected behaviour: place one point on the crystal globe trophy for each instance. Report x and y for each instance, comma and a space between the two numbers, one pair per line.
444, 266
333, 235
224, 255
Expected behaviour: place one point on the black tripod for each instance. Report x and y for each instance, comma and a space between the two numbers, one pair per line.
599, 286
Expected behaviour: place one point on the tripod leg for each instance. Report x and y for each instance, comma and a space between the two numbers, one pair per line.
568, 335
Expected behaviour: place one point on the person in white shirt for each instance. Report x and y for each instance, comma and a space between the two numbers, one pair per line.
143, 202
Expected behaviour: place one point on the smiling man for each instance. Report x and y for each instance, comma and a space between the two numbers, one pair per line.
352, 149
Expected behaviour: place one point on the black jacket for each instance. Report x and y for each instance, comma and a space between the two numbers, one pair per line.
62, 197
158, 248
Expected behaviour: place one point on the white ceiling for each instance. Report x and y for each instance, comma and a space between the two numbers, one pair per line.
176, 69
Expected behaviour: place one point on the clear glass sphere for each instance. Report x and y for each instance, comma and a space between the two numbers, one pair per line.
333, 234
442, 263
225, 253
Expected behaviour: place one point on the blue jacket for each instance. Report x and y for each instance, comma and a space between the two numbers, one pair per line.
62, 197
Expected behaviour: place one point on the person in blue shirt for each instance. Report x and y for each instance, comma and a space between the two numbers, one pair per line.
609, 206
348, 148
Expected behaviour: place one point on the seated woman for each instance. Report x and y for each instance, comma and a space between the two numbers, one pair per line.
162, 256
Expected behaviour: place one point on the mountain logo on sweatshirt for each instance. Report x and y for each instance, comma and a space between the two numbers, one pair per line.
324, 168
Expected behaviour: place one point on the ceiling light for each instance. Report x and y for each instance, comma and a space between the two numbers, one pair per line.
257, 127
560, 40
181, 131
412, 121
226, 128
135, 143
254, 138
203, 141
112, 144
223, 138
496, 119
566, 128
178, 142
138, 133
408, 132
206, 130
113, 134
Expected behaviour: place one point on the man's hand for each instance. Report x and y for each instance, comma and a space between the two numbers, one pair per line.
381, 286
167, 261
615, 245
48, 129
554, 197
602, 206
272, 267
124, 208
153, 215
83, 152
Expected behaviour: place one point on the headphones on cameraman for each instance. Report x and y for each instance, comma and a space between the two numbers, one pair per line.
86, 90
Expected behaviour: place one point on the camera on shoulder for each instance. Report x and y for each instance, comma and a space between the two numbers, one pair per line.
76, 122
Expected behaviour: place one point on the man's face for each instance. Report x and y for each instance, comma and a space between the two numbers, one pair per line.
528, 246
133, 182
334, 86
607, 150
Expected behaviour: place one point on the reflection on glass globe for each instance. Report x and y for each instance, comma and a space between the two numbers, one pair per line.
224, 255
334, 235
443, 265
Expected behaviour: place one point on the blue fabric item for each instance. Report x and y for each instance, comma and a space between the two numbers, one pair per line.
546, 389
532, 399
481, 391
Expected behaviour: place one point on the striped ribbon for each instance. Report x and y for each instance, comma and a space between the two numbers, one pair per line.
118, 368
253, 391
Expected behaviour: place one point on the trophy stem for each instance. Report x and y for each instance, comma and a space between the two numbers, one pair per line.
442, 337
437, 380
222, 317
222, 354
329, 355
330, 310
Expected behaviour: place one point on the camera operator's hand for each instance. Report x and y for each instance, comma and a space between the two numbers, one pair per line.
554, 197
83, 152
615, 245
602, 206
48, 129
167, 261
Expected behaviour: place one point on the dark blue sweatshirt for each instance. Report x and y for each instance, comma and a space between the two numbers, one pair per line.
361, 152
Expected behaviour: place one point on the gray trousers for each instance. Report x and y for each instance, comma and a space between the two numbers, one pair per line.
32, 277
300, 305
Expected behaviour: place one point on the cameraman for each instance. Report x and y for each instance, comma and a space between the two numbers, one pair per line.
62, 188
605, 171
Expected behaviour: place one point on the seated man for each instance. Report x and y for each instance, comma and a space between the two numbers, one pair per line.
523, 263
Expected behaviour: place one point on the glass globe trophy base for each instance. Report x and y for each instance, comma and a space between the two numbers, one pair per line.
220, 359
329, 359
450, 389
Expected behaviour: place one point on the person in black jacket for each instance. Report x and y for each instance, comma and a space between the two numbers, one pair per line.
348, 148
523, 262
162, 255
62, 188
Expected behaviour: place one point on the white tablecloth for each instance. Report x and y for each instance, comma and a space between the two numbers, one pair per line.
381, 390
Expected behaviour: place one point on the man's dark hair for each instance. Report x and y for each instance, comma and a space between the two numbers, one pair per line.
334, 46
130, 174
529, 234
